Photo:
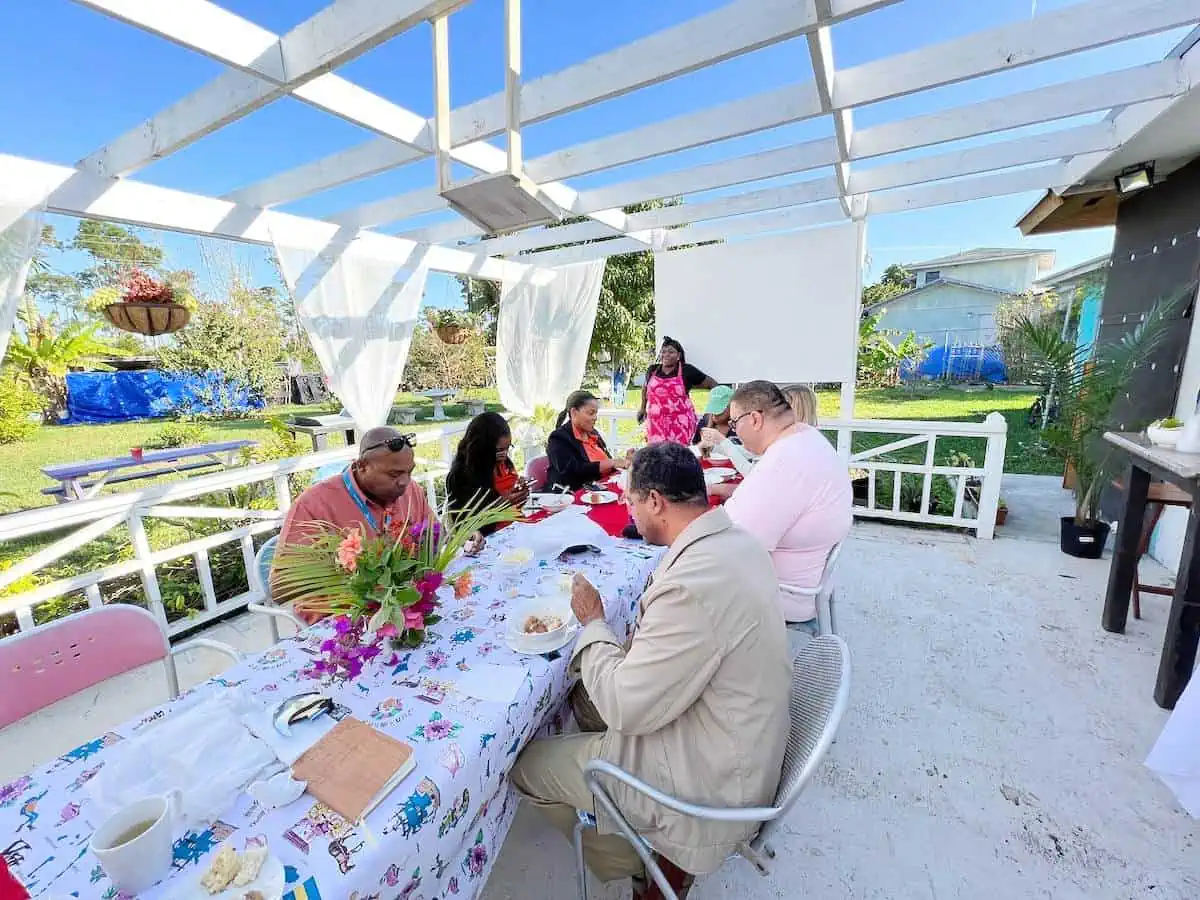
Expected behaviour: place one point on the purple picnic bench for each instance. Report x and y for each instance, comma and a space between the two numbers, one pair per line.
73, 478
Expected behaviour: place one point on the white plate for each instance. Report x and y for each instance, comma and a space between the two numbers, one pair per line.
517, 643
597, 498
270, 883
549, 501
717, 457
716, 476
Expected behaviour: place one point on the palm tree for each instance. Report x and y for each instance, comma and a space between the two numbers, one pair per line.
46, 352
1086, 390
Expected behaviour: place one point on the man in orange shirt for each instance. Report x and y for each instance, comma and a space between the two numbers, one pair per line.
372, 492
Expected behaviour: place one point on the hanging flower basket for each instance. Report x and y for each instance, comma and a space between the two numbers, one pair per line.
150, 319
147, 306
453, 334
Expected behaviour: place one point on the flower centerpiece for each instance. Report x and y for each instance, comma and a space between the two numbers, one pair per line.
145, 305
379, 588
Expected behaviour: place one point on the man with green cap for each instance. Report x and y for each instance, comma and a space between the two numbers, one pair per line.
716, 413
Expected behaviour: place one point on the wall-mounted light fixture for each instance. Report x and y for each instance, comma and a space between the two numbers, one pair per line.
1132, 179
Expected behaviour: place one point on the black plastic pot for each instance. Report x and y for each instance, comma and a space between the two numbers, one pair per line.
1083, 541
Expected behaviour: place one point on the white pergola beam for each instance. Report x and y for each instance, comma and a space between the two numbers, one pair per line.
756, 166
1083, 26
796, 194
543, 237
332, 37
1033, 107
998, 184
443, 232
77, 192
735, 29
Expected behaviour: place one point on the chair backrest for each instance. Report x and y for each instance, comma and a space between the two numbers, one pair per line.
822, 592
820, 695
68, 655
537, 470
262, 567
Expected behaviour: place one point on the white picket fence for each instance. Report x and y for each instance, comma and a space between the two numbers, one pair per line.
91, 519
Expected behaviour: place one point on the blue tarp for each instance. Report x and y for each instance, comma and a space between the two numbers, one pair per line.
149, 393
972, 363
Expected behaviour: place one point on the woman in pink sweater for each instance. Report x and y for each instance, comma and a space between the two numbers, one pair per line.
796, 500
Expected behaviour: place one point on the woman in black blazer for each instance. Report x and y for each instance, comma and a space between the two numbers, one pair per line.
576, 450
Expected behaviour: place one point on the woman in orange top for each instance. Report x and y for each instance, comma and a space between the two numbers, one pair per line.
481, 471
576, 450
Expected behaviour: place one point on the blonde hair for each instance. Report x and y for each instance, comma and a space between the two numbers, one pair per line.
803, 401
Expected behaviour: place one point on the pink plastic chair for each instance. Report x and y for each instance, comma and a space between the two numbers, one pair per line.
537, 470
68, 655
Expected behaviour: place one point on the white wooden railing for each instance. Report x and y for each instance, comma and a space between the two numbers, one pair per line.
91, 519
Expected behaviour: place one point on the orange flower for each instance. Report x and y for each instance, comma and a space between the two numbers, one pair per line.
349, 550
462, 584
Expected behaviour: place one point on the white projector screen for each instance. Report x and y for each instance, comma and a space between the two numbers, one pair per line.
781, 308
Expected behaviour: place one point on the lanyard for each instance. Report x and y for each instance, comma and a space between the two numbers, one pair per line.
361, 503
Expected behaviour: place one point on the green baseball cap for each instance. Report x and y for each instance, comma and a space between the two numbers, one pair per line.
718, 400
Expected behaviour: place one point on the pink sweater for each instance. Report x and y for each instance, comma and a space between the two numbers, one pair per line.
797, 500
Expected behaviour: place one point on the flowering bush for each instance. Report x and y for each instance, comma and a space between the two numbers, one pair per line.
382, 587
140, 287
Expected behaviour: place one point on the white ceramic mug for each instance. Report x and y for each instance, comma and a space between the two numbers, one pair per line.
146, 859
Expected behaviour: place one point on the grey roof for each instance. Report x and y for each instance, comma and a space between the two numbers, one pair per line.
979, 254
954, 282
1075, 271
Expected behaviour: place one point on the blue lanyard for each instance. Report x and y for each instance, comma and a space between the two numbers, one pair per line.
360, 501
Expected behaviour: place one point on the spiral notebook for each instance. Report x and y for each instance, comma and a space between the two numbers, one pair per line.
354, 767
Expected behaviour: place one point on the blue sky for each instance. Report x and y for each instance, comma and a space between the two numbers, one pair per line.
72, 80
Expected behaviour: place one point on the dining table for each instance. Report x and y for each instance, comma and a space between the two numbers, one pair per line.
438, 833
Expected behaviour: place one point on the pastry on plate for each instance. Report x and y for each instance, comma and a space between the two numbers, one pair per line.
251, 863
222, 870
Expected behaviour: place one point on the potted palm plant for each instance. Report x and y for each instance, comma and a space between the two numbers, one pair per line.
1086, 389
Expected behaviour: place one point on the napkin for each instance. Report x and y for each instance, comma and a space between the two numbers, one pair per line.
487, 682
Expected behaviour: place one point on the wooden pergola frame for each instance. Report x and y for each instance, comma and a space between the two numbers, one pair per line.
263, 67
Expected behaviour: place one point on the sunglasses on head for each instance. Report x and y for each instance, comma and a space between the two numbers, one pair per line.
395, 445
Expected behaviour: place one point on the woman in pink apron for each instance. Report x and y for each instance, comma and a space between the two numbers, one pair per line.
667, 406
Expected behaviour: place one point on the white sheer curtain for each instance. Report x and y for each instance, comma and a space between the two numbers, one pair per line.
20, 231
359, 306
543, 334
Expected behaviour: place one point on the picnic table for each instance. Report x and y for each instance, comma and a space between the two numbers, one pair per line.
318, 428
437, 835
439, 396
83, 480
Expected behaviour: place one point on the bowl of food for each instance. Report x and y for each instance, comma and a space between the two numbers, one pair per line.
543, 623
1165, 432
551, 502
598, 498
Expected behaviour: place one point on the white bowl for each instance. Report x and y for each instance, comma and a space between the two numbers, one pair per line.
549, 605
1163, 437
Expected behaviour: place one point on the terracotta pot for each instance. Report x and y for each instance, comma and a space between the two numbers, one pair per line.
453, 334
150, 319
1001, 515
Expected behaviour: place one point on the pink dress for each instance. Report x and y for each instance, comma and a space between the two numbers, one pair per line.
670, 415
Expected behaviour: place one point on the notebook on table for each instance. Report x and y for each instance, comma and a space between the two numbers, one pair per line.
354, 767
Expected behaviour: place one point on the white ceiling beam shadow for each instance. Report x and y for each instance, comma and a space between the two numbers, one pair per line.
1073, 29
756, 166
443, 232
990, 157
1033, 107
77, 192
820, 52
332, 37
737, 28
998, 184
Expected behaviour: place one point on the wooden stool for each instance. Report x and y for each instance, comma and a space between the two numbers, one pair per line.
1161, 495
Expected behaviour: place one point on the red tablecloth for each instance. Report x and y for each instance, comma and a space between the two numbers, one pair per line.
615, 517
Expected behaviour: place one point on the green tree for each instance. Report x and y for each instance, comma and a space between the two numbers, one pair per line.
896, 280
241, 337
45, 350
880, 357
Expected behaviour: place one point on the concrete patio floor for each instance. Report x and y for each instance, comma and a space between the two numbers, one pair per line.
993, 748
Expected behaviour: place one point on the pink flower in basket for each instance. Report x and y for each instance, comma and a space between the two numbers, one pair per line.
349, 550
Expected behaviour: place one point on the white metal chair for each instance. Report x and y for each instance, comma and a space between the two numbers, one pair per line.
53, 661
260, 581
820, 695
824, 593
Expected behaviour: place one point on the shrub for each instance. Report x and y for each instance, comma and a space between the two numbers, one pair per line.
177, 434
19, 406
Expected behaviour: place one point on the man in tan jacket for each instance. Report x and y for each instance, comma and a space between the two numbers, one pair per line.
696, 705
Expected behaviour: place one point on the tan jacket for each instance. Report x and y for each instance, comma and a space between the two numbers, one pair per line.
698, 706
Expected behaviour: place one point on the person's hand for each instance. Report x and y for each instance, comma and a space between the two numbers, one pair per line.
710, 437
585, 601
724, 490
629, 454
474, 544
519, 493
621, 463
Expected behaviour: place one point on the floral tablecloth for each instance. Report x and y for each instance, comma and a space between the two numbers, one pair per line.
436, 836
